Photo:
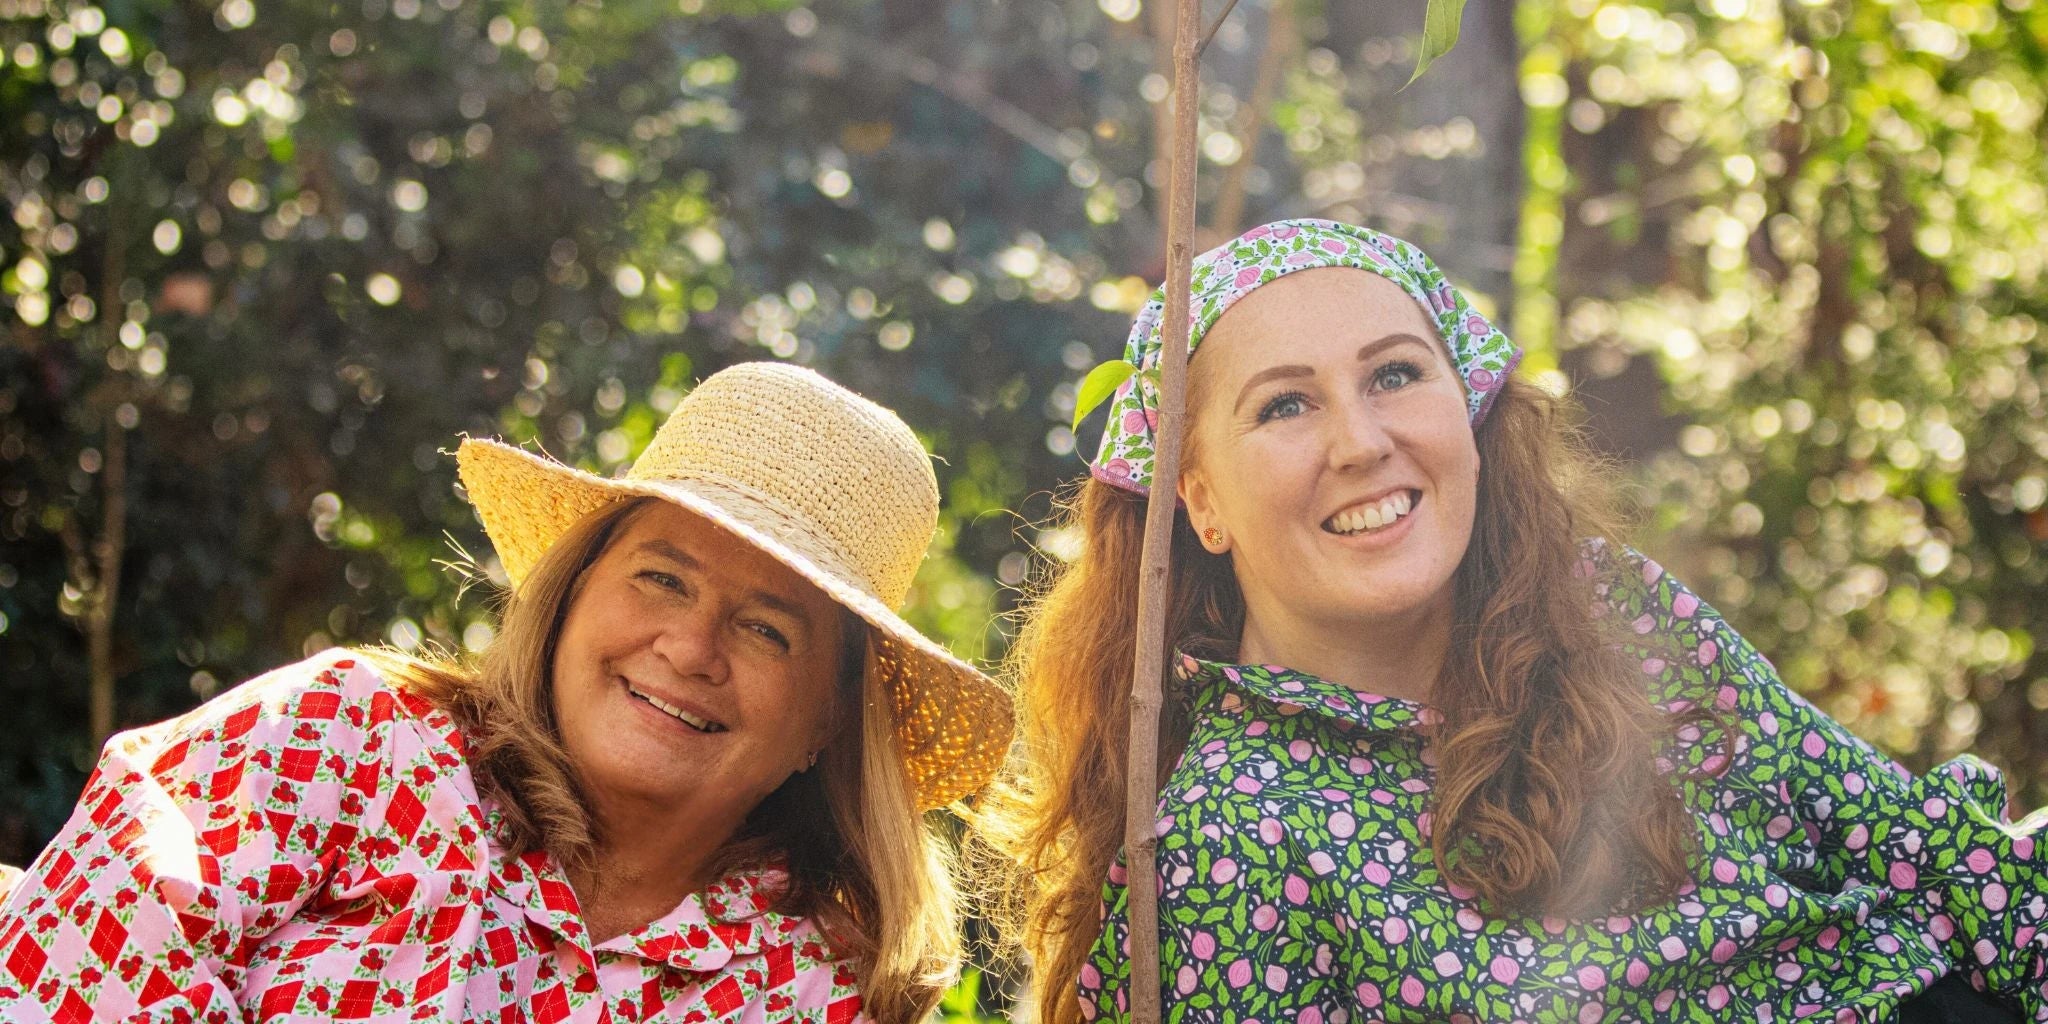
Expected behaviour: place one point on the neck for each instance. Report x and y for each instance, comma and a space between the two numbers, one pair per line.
650, 860
1398, 657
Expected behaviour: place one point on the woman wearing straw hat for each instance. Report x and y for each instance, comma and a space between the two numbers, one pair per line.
684, 782
1439, 757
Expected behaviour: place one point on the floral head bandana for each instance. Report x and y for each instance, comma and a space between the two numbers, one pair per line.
1484, 356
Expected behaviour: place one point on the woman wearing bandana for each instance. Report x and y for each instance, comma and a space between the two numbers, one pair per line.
1438, 746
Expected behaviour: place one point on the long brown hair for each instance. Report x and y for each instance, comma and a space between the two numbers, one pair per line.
1576, 822
863, 864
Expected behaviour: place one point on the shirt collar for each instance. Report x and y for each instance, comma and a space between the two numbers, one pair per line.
706, 931
1294, 693
712, 927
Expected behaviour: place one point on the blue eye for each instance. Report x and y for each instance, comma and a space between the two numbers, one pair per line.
770, 633
666, 581
1396, 375
1286, 406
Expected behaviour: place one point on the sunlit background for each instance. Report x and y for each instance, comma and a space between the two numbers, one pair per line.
264, 261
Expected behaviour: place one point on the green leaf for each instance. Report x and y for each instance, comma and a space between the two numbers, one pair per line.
959, 1003
1098, 386
1439, 34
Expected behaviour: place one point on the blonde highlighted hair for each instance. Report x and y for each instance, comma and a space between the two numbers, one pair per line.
863, 862
1579, 822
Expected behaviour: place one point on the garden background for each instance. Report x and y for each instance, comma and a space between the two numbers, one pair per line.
263, 261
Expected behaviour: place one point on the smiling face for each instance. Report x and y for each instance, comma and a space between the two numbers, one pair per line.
1331, 453
693, 669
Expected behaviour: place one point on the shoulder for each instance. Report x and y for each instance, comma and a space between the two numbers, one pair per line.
1625, 580
1678, 638
1653, 603
336, 702
315, 689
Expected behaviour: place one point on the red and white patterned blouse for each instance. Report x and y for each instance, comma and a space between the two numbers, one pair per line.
310, 847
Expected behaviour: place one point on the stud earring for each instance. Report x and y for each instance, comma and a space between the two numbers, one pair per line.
813, 762
1212, 537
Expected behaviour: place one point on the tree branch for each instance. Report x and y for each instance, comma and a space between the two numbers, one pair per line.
1226, 215
1007, 117
1213, 26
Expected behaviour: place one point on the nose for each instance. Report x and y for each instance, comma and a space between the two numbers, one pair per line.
1357, 438
692, 643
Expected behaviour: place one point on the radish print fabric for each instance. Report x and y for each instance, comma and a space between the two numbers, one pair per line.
310, 846
1297, 883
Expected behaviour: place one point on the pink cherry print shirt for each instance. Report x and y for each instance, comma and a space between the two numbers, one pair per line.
310, 846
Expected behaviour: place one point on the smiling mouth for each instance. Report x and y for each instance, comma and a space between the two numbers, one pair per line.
1379, 515
703, 725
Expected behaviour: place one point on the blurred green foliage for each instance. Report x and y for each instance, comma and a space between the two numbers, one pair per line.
279, 254
1813, 227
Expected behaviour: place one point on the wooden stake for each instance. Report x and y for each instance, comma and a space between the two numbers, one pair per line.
106, 592
1141, 798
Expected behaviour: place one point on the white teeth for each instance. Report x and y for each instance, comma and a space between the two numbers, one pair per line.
699, 724
1385, 513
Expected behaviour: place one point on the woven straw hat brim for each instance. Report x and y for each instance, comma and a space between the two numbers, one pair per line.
953, 722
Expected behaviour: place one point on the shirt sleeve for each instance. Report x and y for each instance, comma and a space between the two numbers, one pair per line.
1246, 930
1940, 840
193, 839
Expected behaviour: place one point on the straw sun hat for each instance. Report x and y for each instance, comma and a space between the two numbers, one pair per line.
830, 484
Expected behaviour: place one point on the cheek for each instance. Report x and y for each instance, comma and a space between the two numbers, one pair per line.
569, 672
795, 705
1465, 507
1452, 449
1272, 468
573, 683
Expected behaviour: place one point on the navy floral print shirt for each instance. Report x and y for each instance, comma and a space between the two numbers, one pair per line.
1297, 881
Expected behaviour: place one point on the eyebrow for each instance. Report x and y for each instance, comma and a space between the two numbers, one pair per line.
1293, 370
1373, 348
1270, 373
683, 559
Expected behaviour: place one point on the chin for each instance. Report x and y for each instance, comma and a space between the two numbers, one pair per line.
1378, 608
1385, 596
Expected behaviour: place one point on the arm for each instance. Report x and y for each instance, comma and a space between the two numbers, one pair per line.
1246, 930
1979, 882
193, 839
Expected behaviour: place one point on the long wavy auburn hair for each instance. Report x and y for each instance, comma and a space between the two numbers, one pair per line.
1547, 800
863, 863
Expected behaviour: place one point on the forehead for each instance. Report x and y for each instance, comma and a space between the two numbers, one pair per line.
1338, 308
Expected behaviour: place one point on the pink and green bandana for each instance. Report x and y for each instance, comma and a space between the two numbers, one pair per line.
1484, 356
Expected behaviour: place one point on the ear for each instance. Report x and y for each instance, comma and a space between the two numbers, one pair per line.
1200, 501
848, 702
